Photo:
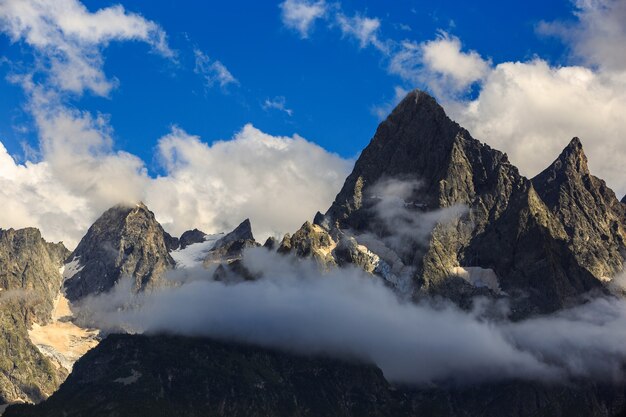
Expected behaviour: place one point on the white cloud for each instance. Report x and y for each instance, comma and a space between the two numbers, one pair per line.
278, 182
440, 64
597, 37
362, 28
213, 71
345, 313
277, 103
443, 56
300, 15
531, 110
67, 38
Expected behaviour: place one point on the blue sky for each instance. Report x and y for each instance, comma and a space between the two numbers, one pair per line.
329, 83
214, 112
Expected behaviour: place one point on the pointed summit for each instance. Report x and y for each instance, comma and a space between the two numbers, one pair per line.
231, 246
594, 219
507, 231
124, 241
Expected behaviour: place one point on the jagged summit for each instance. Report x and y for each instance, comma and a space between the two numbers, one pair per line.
124, 241
231, 246
508, 229
593, 218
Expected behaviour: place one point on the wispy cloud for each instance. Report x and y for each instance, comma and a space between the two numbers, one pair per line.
213, 72
300, 15
277, 103
362, 28
69, 38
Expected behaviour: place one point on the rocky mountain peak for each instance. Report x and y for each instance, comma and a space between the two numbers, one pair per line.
190, 237
124, 241
231, 246
509, 225
593, 218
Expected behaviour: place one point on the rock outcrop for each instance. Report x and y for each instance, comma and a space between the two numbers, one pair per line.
471, 210
190, 237
30, 280
310, 240
230, 247
124, 241
593, 218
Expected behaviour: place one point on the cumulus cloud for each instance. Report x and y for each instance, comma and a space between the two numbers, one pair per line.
212, 71
68, 38
531, 110
597, 36
300, 15
275, 181
346, 313
277, 103
528, 109
440, 64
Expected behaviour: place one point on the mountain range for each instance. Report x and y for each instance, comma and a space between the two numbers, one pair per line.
428, 210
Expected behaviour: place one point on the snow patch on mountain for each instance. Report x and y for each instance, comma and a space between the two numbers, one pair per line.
194, 254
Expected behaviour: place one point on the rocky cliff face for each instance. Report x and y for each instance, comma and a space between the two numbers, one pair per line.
230, 247
594, 220
175, 376
526, 236
124, 241
30, 280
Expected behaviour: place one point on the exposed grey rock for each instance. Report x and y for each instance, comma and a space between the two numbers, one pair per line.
594, 219
507, 228
30, 280
190, 237
231, 246
310, 240
271, 243
30, 265
124, 241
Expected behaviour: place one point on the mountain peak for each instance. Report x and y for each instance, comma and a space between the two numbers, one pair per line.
572, 158
587, 208
125, 240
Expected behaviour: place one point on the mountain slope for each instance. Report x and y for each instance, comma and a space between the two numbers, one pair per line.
123, 241
29, 282
491, 221
184, 377
594, 219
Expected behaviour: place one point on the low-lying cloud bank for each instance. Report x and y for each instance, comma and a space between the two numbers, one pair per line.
346, 313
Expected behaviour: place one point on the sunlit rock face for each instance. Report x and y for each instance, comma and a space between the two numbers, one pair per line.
124, 241
30, 281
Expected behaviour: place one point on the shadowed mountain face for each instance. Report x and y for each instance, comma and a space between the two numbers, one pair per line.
29, 282
520, 230
139, 376
594, 220
123, 241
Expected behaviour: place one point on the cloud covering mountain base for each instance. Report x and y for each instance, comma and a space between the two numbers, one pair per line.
349, 314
